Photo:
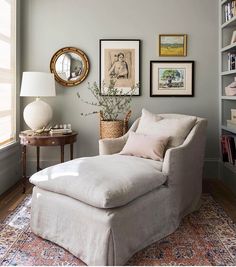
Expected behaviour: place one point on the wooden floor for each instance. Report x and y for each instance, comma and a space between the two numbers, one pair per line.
11, 199
223, 195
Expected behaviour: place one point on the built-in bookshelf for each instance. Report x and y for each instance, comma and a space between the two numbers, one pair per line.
227, 101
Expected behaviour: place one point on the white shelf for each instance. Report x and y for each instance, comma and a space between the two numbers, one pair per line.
228, 48
230, 166
229, 23
224, 97
228, 72
223, 127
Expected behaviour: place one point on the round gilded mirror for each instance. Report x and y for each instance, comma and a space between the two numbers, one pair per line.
70, 66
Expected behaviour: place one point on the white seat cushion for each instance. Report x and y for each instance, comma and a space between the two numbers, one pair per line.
175, 128
103, 181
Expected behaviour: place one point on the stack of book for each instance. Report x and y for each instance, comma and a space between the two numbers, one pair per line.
230, 10
228, 148
60, 131
231, 124
231, 61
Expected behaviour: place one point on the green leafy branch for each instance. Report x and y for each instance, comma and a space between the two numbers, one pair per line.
110, 100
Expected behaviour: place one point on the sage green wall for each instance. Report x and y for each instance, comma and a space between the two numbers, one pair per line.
49, 25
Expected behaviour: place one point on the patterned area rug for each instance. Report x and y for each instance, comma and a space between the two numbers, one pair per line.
206, 237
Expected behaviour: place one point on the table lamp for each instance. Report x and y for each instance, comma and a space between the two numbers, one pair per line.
37, 114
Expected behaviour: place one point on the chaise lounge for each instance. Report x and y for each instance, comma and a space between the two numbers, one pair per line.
104, 209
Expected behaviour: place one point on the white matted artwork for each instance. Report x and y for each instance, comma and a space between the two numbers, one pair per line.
171, 78
119, 61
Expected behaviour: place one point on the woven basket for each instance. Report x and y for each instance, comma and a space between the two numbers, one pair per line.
113, 129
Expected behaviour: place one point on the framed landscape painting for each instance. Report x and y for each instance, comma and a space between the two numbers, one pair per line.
173, 45
119, 61
172, 78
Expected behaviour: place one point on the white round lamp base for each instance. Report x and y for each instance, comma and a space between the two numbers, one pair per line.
37, 114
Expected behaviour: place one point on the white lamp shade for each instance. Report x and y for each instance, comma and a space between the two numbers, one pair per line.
38, 84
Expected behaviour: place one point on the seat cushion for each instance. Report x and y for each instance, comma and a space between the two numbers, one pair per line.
105, 181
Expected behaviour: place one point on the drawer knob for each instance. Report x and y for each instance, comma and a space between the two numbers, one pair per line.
53, 142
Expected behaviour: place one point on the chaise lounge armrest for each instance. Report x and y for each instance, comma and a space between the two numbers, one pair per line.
183, 166
179, 162
110, 146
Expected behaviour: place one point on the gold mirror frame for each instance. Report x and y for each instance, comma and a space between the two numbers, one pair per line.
81, 76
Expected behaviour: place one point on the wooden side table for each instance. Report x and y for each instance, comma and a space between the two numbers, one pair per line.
31, 139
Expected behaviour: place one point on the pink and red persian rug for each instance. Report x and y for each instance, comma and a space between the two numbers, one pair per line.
206, 237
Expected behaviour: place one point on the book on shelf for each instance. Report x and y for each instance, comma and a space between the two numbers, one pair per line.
224, 152
229, 10
228, 148
231, 61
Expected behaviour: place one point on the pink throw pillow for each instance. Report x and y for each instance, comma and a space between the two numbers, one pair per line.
145, 146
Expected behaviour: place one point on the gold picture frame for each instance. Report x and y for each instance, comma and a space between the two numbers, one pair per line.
173, 45
70, 66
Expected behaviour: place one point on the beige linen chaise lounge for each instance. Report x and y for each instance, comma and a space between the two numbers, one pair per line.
103, 209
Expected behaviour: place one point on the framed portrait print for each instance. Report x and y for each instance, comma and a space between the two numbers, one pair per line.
119, 61
173, 45
172, 78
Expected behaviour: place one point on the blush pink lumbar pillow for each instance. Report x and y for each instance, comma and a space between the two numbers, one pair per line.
145, 146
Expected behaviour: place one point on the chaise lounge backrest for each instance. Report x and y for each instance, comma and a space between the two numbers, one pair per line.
110, 146
183, 165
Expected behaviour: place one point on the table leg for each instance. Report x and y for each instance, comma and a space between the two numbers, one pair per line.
24, 178
62, 153
38, 158
71, 151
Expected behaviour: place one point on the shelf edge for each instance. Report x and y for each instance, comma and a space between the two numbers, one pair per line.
223, 127
227, 23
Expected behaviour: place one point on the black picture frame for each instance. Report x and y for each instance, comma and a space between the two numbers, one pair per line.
122, 45
184, 87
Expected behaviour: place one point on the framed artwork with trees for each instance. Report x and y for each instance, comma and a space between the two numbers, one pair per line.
172, 78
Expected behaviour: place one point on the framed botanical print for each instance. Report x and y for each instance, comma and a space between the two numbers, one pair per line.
173, 45
172, 78
120, 62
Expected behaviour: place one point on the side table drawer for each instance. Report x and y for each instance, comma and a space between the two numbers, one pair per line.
44, 142
48, 140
